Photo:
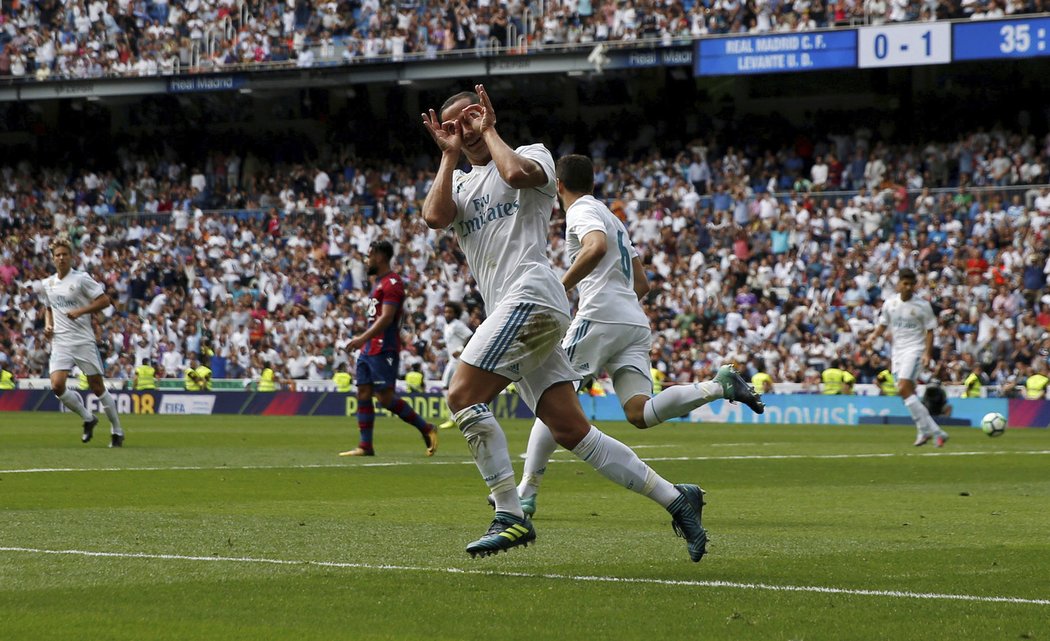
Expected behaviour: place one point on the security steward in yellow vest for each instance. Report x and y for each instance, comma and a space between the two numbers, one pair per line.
342, 381
145, 377
198, 377
837, 380
658, 380
1035, 387
762, 382
267, 380
204, 373
414, 380
887, 384
973, 384
7, 380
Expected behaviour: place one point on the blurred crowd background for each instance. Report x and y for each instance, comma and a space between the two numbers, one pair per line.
774, 258
46, 39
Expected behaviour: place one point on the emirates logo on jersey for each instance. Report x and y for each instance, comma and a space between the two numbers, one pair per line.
486, 213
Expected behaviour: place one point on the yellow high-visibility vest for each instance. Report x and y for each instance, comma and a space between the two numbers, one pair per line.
973, 386
887, 383
205, 373
835, 380
414, 380
1035, 386
760, 380
658, 379
342, 381
266, 381
145, 377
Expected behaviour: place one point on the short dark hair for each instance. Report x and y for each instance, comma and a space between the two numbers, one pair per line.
906, 274
471, 96
457, 309
383, 247
576, 172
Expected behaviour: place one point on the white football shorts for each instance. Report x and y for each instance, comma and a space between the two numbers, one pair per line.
906, 366
85, 356
594, 346
520, 341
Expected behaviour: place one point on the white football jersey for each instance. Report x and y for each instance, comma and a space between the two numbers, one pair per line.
456, 336
908, 321
607, 293
63, 295
503, 232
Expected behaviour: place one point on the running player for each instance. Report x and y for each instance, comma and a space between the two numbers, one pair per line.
71, 297
501, 212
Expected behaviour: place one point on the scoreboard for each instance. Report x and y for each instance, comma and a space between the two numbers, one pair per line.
892, 45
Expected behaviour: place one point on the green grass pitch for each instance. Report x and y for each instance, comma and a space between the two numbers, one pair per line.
252, 528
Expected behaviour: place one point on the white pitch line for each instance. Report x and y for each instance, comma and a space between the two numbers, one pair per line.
767, 587
737, 457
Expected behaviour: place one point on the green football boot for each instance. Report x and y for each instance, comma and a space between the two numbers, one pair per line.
735, 388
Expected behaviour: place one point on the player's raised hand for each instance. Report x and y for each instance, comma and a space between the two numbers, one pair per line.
447, 135
488, 114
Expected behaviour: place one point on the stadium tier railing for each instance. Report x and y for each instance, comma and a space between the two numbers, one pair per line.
1028, 192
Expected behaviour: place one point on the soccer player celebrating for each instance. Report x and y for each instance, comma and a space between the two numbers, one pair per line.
378, 362
610, 330
501, 212
71, 297
911, 320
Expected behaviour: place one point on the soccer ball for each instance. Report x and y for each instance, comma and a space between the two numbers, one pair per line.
993, 424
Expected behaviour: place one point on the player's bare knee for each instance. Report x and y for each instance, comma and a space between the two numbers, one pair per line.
635, 415
569, 436
458, 399
58, 389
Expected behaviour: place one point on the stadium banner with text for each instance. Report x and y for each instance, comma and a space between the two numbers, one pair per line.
780, 408
430, 406
805, 409
193, 84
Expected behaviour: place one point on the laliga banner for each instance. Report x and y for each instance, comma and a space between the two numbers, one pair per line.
780, 408
430, 406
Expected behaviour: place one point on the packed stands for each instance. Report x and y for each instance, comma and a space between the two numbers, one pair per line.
46, 39
775, 259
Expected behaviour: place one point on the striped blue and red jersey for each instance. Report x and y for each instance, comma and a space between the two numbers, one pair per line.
389, 290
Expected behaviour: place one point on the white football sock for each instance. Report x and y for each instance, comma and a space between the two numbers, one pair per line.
73, 401
541, 447
488, 445
110, 407
679, 400
921, 416
618, 463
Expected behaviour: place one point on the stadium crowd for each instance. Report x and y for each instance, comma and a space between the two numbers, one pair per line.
94, 38
774, 259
